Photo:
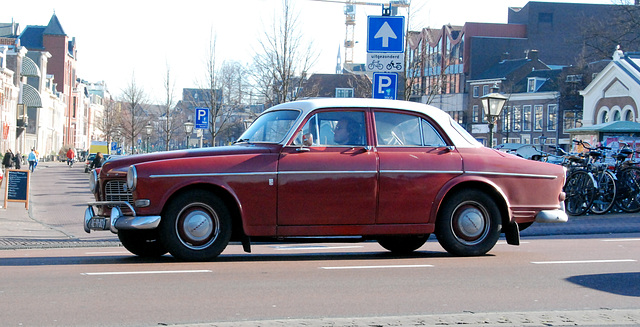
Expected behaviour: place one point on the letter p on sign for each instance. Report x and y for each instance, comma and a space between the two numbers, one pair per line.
385, 85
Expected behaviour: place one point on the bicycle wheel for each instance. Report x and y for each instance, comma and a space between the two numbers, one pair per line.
605, 193
580, 191
628, 198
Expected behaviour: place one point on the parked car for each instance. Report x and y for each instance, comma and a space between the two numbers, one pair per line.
384, 170
87, 163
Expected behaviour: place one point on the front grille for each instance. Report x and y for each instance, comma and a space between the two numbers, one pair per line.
116, 190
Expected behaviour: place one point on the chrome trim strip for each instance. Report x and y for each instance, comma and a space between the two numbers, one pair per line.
359, 172
213, 175
328, 172
422, 171
512, 174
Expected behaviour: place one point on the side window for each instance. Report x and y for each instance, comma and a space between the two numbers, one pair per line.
431, 137
397, 129
334, 128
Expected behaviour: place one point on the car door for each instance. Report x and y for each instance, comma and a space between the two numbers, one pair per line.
332, 180
415, 162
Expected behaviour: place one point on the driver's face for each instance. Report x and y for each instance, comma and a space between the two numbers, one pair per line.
340, 133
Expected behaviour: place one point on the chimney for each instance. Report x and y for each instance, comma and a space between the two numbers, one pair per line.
533, 55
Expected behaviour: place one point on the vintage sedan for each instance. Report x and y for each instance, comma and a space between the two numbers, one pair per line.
390, 171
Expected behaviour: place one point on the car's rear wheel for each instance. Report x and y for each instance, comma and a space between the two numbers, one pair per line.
403, 244
468, 224
196, 226
142, 243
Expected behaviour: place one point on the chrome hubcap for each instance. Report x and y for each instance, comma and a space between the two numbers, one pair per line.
198, 226
470, 223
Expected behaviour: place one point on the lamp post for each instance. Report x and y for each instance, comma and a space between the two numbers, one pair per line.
188, 129
148, 129
492, 104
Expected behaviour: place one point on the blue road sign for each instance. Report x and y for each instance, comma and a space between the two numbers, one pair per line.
385, 34
202, 118
385, 85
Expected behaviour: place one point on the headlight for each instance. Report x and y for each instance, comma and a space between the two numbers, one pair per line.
132, 178
93, 181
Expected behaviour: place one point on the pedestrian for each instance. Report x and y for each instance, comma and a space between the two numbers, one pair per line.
33, 160
70, 156
97, 161
17, 159
37, 157
7, 160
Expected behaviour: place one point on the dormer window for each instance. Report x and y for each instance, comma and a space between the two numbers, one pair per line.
534, 84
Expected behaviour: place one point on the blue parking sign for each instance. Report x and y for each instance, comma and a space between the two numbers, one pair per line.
385, 86
202, 118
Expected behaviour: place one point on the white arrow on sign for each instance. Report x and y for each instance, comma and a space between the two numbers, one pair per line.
385, 32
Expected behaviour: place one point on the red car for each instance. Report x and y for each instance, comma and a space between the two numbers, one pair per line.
384, 170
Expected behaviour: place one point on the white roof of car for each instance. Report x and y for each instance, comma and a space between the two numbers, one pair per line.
440, 117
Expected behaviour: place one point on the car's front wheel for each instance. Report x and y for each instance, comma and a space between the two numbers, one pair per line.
468, 224
142, 243
196, 226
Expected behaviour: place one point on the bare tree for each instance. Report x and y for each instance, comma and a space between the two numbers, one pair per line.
133, 118
108, 122
600, 37
167, 120
282, 60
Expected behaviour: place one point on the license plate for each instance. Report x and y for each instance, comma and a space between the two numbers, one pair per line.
98, 223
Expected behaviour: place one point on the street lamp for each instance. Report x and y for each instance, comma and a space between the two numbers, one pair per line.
188, 129
149, 130
492, 104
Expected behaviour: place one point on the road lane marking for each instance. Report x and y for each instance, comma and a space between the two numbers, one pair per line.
622, 240
293, 248
377, 267
145, 272
581, 261
108, 252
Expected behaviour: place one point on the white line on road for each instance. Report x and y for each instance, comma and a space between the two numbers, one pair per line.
108, 252
145, 272
290, 248
622, 240
377, 267
581, 261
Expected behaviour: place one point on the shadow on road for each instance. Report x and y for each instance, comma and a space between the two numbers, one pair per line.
627, 284
132, 259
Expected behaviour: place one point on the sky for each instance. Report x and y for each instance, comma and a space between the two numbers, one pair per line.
120, 41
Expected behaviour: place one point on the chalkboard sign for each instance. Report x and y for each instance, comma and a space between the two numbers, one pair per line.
17, 187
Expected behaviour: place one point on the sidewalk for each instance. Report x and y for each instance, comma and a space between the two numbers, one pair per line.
57, 200
58, 197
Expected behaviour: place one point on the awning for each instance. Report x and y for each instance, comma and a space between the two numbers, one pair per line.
610, 127
30, 96
29, 68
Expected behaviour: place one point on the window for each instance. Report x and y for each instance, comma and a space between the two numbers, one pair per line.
476, 114
517, 119
485, 89
333, 128
531, 85
405, 130
538, 117
545, 17
552, 117
506, 118
344, 92
526, 114
476, 91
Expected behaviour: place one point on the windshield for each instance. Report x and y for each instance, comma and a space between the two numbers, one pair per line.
271, 127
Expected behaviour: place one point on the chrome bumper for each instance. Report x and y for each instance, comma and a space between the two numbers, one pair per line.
117, 220
553, 216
